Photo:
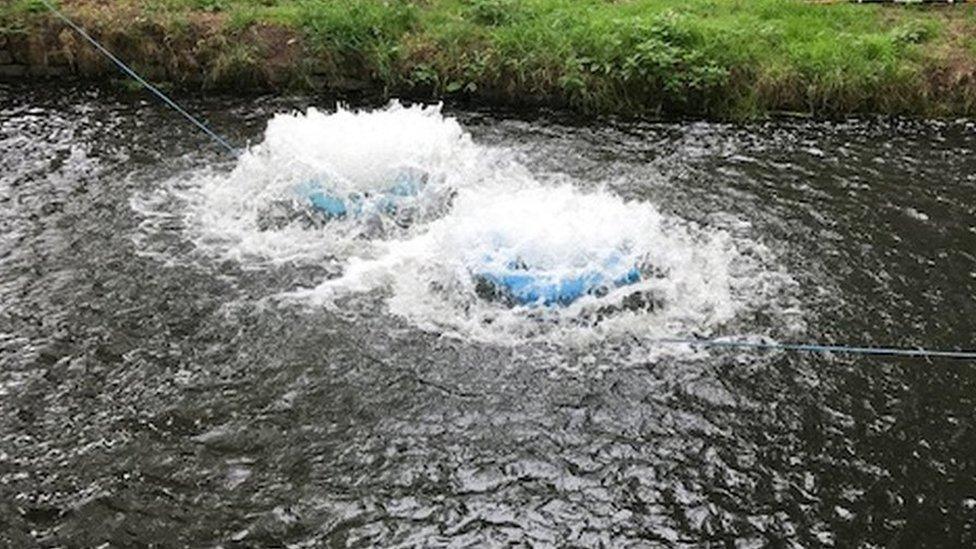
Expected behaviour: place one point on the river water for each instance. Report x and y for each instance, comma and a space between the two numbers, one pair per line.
177, 370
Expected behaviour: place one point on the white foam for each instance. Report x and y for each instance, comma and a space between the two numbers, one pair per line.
352, 151
564, 230
702, 279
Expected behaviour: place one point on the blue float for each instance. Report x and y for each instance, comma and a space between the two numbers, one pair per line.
336, 205
524, 285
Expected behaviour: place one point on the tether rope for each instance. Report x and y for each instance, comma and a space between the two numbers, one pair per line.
817, 348
706, 343
135, 76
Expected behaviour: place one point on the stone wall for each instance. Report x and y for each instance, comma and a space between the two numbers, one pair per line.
23, 55
9, 66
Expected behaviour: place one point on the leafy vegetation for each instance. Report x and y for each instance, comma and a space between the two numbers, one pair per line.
736, 58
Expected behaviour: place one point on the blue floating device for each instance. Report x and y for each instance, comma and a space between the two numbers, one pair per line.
336, 205
331, 205
523, 285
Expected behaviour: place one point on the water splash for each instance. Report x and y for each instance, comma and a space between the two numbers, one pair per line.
693, 286
256, 212
477, 214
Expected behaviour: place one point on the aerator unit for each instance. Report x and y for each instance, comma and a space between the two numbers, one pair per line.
336, 205
519, 283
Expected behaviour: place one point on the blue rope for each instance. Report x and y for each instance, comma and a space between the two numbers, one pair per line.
816, 348
135, 76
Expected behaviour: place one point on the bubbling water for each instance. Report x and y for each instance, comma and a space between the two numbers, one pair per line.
351, 154
688, 272
478, 211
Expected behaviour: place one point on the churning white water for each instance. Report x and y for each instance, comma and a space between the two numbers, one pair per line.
353, 153
476, 210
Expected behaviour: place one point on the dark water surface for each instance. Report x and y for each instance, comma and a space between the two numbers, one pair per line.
152, 403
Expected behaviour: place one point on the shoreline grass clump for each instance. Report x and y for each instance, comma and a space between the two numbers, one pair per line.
720, 58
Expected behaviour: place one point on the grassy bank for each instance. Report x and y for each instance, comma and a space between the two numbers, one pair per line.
735, 58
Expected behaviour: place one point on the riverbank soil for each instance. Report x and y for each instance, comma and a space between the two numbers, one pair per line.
734, 59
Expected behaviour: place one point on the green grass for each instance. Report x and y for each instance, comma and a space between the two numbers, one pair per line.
14, 13
735, 58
